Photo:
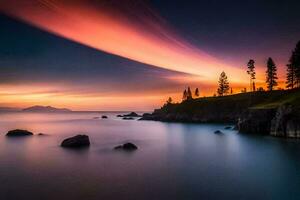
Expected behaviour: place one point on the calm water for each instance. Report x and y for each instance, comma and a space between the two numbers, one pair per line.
175, 161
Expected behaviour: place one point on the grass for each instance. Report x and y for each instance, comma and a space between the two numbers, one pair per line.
237, 102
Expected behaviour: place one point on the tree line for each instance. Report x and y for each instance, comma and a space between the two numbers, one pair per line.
292, 77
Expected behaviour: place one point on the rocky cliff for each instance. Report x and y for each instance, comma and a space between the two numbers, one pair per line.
274, 113
283, 121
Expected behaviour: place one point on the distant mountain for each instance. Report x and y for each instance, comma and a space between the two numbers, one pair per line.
45, 109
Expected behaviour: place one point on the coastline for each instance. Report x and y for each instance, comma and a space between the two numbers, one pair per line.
275, 113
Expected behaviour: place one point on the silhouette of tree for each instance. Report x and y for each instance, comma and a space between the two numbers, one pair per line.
290, 76
223, 84
170, 100
184, 97
189, 94
271, 74
261, 89
197, 92
293, 69
252, 73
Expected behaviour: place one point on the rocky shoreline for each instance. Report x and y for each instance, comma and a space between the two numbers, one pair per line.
280, 120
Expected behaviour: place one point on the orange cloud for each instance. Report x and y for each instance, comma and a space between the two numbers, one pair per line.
96, 25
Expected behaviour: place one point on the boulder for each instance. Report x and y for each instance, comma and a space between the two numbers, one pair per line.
132, 114
119, 115
228, 128
218, 132
18, 133
127, 147
104, 117
77, 141
42, 134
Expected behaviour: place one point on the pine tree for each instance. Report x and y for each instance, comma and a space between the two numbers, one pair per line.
189, 94
223, 85
197, 92
290, 76
293, 69
252, 73
184, 97
271, 73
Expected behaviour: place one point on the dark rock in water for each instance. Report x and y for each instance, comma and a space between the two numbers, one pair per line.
77, 141
132, 114
228, 128
104, 117
218, 132
18, 133
127, 147
128, 118
42, 134
119, 115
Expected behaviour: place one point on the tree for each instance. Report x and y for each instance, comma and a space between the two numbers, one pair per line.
260, 89
197, 92
223, 84
184, 97
293, 69
189, 94
170, 100
252, 73
290, 76
271, 73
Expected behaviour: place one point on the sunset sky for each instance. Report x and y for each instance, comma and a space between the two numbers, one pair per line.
134, 54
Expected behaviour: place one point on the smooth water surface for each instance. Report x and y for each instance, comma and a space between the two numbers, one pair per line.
174, 161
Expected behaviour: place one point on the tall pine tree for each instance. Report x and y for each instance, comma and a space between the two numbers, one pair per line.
197, 92
252, 73
223, 85
293, 69
271, 74
189, 94
184, 96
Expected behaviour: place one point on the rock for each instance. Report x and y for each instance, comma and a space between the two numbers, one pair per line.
256, 121
228, 128
119, 115
127, 147
128, 118
286, 123
104, 117
132, 114
77, 141
42, 134
18, 133
218, 132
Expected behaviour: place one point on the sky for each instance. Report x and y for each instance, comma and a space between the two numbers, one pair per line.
134, 54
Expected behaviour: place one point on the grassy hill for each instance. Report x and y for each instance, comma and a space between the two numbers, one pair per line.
225, 109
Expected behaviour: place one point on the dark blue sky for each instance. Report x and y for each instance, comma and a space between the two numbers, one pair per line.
236, 29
